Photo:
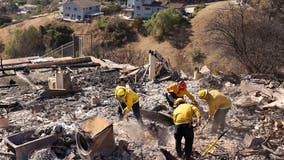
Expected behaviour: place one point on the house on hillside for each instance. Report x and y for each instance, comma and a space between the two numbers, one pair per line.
80, 10
27, 8
176, 5
141, 8
189, 9
146, 8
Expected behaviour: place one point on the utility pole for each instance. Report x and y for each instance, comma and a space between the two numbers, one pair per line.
3, 72
80, 47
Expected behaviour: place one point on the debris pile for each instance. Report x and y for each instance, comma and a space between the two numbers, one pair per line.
255, 122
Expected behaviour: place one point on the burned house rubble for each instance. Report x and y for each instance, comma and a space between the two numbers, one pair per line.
64, 108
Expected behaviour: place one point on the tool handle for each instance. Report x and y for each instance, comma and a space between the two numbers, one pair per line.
223, 134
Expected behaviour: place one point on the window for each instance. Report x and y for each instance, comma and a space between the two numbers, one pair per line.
75, 9
138, 7
90, 8
147, 8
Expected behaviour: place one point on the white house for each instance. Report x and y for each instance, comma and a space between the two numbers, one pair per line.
27, 8
80, 10
142, 8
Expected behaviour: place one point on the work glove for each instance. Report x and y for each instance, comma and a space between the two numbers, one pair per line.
124, 111
165, 93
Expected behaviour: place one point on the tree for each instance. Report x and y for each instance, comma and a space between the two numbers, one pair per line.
250, 36
2, 46
8, 6
111, 9
39, 2
20, 2
163, 22
117, 32
138, 24
4, 20
27, 42
274, 8
55, 35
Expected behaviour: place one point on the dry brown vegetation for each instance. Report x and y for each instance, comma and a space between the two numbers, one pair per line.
196, 37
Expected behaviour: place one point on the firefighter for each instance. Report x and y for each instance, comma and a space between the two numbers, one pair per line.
128, 100
177, 90
218, 105
182, 117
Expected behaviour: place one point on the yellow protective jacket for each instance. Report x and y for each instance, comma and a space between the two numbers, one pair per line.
217, 100
130, 97
179, 92
183, 113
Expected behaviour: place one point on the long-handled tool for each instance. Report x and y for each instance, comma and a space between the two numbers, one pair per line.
123, 114
206, 123
212, 145
201, 128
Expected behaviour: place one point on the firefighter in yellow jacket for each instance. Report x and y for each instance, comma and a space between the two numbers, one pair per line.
182, 117
218, 105
128, 100
177, 90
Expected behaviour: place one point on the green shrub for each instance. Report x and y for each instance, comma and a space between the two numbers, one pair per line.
4, 20
27, 42
116, 33
102, 23
196, 55
138, 25
163, 22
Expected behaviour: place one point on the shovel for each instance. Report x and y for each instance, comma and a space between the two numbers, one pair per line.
124, 114
212, 145
201, 129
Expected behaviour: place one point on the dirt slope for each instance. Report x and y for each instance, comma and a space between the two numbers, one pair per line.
6, 33
202, 39
179, 58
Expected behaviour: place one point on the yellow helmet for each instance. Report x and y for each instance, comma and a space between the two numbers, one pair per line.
202, 93
120, 92
179, 101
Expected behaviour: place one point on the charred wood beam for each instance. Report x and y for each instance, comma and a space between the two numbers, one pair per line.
24, 78
18, 61
168, 155
7, 154
157, 116
7, 75
272, 152
74, 65
12, 107
8, 86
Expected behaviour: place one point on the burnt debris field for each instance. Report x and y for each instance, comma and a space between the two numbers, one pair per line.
66, 109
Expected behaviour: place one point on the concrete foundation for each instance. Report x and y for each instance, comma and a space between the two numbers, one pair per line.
23, 148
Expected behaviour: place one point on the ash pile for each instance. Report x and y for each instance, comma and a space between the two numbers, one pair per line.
70, 112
